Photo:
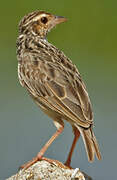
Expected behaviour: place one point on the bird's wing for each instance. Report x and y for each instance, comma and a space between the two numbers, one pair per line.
57, 89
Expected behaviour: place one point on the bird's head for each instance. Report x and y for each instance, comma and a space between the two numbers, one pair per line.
39, 23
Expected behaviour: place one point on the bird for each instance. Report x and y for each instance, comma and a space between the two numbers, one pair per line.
54, 83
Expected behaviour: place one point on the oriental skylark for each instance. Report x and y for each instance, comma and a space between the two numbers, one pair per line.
54, 83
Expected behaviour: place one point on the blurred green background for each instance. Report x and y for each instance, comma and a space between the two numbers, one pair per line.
89, 38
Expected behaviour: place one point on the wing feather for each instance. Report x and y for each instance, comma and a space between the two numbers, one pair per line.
54, 86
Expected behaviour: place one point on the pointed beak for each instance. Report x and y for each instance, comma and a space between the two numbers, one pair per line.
56, 20
59, 19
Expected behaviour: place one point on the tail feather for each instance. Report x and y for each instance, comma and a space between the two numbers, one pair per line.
96, 146
90, 142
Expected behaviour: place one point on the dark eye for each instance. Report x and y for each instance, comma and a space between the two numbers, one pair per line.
44, 20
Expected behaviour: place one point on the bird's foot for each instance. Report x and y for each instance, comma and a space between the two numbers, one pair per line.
30, 163
53, 161
39, 158
67, 163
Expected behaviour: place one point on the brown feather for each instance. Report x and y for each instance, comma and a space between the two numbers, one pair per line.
90, 142
52, 79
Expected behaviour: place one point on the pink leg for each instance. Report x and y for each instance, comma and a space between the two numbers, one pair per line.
76, 137
43, 150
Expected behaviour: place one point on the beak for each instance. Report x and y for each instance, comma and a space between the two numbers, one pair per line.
59, 19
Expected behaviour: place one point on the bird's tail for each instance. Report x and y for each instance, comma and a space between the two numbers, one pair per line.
90, 142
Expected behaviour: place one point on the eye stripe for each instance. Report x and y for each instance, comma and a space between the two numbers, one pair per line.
38, 17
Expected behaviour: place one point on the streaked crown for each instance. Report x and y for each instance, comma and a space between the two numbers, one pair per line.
39, 23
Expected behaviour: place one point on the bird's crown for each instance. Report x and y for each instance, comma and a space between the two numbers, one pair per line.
39, 23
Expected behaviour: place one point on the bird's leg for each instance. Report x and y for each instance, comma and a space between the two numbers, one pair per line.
43, 150
55, 135
76, 137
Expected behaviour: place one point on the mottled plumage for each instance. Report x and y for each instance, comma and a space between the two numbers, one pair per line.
53, 80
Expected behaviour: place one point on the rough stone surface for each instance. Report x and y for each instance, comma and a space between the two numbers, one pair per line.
44, 170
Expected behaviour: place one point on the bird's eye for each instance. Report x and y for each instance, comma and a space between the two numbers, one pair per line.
44, 20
